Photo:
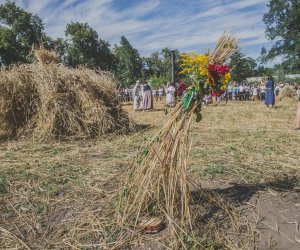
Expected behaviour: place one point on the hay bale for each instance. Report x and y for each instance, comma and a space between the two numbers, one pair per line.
286, 92
51, 101
44, 56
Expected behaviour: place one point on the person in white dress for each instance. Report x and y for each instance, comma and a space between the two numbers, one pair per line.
136, 95
171, 95
254, 93
142, 95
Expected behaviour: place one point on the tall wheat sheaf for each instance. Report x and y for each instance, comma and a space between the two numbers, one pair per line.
157, 185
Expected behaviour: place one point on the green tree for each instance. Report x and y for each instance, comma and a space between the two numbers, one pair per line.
279, 72
167, 62
159, 64
242, 66
107, 61
153, 65
263, 71
283, 27
19, 31
128, 62
158, 81
83, 47
60, 46
263, 56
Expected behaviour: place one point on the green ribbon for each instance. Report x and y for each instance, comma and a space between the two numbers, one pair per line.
189, 99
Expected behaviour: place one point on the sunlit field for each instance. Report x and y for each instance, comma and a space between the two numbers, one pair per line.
244, 156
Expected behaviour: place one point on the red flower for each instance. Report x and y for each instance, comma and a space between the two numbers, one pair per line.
218, 70
217, 93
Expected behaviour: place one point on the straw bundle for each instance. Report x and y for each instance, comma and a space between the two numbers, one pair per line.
224, 48
286, 92
51, 101
157, 185
44, 56
158, 182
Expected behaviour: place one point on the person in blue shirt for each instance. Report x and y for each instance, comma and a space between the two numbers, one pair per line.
235, 91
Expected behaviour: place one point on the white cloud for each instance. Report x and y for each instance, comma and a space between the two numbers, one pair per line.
153, 24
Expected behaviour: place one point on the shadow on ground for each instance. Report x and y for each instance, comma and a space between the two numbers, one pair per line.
240, 193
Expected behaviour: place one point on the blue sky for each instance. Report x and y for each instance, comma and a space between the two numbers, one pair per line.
149, 25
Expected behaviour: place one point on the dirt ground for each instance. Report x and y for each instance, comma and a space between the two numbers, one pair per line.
273, 209
52, 194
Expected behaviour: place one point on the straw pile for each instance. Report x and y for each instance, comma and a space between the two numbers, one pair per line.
46, 100
157, 186
286, 92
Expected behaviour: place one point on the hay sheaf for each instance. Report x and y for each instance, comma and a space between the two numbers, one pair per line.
286, 92
51, 101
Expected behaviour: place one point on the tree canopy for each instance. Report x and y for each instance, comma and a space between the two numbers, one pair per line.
128, 62
85, 48
19, 30
242, 66
283, 26
158, 65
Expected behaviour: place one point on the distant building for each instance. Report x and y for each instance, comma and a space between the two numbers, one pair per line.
259, 78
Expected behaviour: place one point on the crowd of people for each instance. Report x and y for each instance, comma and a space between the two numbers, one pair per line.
264, 91
142, 94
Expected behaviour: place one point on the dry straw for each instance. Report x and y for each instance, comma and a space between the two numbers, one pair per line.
224, 48
157, 185
46, 100
286, 92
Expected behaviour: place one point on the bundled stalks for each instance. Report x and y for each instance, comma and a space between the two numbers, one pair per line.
44, 56
223, 48
46, 100
157, 185
159, 179
287, 92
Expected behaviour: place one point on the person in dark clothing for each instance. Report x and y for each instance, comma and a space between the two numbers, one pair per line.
270, 95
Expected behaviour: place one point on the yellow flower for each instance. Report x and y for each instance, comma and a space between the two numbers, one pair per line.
226, 78
223, 87
195, 63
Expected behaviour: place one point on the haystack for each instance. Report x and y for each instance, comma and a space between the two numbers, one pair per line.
46, 100
286, 92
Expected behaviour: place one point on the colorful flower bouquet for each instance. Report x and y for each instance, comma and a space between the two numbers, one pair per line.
207, 72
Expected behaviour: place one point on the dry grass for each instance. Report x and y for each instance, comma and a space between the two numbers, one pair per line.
45, 100
55, 196
43, 56
248, 142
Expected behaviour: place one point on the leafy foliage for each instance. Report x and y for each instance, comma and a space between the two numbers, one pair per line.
19, 31
242, 66
158, 81
158, 64
84, 47
282, 21
128, 62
